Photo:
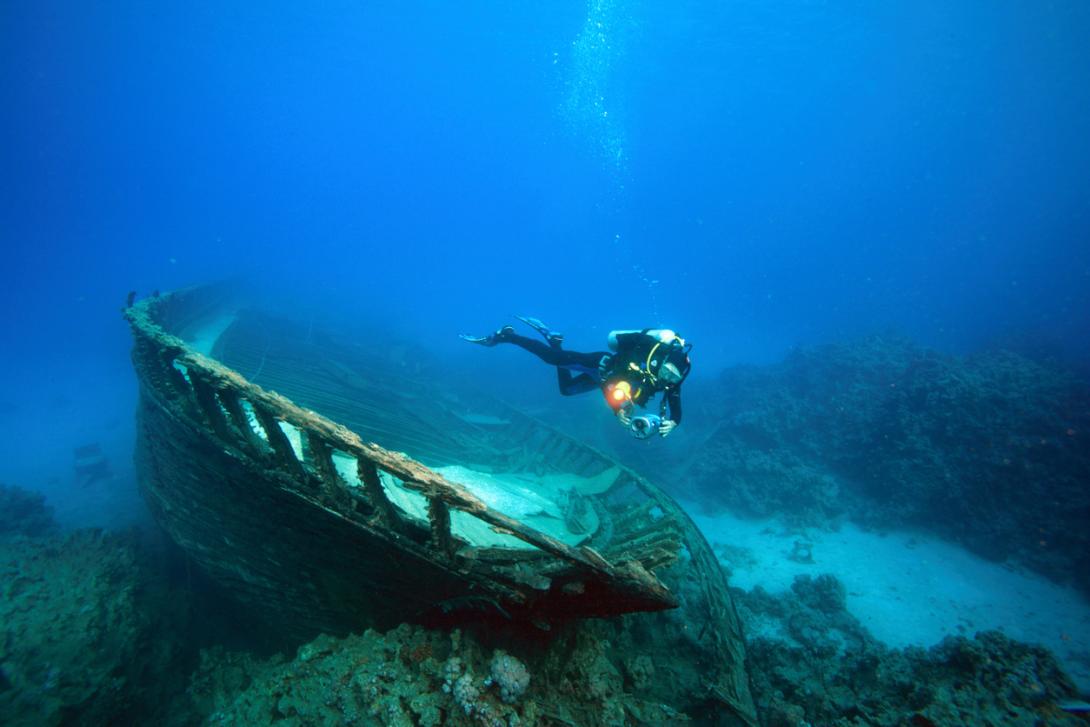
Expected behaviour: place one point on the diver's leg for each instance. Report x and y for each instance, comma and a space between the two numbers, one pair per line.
572, 385
581, 374
490, 340
564, 380
553, 338
552, 355
585, 365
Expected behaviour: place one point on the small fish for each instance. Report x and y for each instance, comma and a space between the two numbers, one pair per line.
479, 604
1075, 706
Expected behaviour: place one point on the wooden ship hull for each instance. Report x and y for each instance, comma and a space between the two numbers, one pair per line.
305, 522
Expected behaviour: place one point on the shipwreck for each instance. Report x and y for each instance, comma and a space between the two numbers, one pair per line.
320, 488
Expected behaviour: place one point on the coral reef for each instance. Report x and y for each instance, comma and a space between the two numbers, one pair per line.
811, 662
413, 676
24, 512
92, 635
88, 631
988, 450
510, 675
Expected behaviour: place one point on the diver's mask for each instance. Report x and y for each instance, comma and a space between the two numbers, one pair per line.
670, 374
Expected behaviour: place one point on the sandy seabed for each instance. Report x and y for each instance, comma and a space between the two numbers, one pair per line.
909, 589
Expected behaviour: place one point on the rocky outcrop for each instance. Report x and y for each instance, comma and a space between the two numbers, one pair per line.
811, 662
88, 632
23, 512
989, 451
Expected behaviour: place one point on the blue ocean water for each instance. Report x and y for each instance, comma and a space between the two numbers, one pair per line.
757, 175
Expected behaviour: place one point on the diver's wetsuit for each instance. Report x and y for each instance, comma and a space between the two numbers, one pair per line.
578, 373
586, 367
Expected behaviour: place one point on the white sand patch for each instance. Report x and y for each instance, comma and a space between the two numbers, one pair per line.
908, 588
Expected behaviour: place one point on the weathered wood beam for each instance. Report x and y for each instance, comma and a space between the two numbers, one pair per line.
658, 559
206, 401
283, 453
594, 556
372, 486
232, 402
178, 386
321, 456
439, 519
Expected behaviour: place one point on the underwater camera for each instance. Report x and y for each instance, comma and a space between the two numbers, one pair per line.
644, 426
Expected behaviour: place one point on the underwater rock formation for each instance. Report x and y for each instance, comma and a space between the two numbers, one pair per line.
88, 635
990, 451
811, 662
24, 512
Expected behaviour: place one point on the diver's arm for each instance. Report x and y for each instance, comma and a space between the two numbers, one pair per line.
673, 400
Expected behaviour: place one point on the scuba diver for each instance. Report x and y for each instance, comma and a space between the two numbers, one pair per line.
638, 365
